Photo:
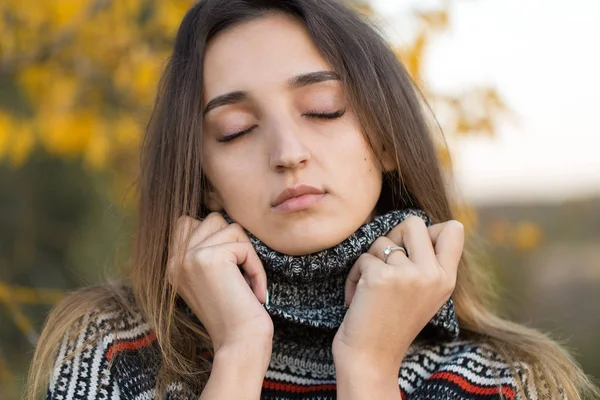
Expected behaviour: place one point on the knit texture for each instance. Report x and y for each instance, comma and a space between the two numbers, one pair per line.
122, 357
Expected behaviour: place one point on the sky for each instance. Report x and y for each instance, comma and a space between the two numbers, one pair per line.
542, 57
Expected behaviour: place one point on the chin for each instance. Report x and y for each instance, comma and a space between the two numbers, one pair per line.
299, 241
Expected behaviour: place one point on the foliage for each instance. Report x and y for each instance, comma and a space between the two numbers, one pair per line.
78, 78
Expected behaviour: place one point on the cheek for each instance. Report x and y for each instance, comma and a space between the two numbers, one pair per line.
237, 180
354, 164
358, 155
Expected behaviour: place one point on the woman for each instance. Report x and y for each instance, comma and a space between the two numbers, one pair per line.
295, 238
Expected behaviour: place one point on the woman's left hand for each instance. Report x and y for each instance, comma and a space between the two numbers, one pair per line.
391, 302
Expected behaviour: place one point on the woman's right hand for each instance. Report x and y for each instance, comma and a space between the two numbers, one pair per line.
208, 278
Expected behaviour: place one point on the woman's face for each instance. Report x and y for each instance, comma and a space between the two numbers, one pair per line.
266, 79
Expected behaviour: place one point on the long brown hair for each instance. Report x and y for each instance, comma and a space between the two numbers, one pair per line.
171, 184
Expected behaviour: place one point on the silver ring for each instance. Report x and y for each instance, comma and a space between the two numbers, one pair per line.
390, 249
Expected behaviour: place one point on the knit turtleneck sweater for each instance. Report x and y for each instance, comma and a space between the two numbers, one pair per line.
307, 306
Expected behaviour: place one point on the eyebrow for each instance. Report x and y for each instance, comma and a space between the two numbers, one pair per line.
294, 83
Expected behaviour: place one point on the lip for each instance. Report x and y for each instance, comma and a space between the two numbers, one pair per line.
298, 197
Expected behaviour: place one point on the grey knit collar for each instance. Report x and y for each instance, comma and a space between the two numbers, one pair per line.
309, 289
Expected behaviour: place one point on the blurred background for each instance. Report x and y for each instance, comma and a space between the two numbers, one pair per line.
514, 85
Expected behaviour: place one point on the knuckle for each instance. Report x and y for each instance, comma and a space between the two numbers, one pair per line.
446, 284
237, 228
413, 221
377, 244
414, 282
437, 278
196, 259
362, 258
212, 215
387, 274
213, 219
380, 277
457, 225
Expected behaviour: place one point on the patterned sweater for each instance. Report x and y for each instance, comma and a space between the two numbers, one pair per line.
452, 370
306, 305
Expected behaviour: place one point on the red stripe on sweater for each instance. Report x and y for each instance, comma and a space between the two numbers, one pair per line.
473, 388
130, 345
290, 387
447, 376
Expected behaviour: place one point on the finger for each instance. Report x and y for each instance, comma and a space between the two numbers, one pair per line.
244, 255
230, 233
212, 223
436, 229
412, 234
190, 232
187, 233
395, 258
448, 238
354, 275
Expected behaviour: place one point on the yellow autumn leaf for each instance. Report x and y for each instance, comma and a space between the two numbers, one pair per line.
34, 79
137, 76
127, 133
467, 215
97, 150
21, 144
30, 15
67, 134
127, 8
170, 13
6, 127
64, 12
527, 236
144, 79
61, 92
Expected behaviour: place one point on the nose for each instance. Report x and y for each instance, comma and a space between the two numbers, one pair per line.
288, 151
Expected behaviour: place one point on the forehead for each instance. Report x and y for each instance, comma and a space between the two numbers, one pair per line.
262, 53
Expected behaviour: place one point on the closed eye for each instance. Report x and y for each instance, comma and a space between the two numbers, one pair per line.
234, 135
332, 115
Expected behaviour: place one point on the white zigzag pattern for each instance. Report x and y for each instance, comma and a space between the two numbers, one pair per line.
472, 355
283, 377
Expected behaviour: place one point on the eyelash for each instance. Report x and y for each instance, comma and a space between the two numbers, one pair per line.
332, 115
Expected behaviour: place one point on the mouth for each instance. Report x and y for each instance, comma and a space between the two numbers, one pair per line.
299, 197
299, 203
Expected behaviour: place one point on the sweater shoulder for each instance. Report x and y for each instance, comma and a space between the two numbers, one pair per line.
94, 343
110, 320
462, 368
